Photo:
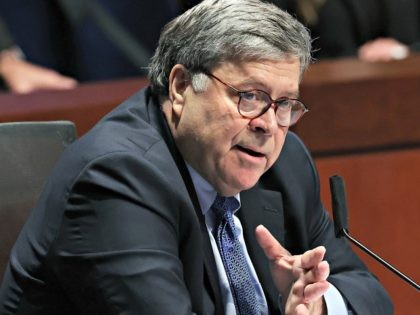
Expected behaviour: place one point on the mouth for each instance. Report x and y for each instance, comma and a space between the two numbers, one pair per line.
250, 151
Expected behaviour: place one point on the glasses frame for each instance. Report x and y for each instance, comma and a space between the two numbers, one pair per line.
304, 108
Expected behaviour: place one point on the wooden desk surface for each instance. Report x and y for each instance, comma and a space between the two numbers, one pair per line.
348, 70
84, 105
357, 106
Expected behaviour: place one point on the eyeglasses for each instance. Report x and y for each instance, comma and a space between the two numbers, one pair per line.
254, 103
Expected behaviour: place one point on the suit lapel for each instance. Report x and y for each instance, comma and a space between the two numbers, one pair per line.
264, 207
211, 276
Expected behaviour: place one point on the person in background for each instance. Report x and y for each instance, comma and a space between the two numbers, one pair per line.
21, 76
193, 197
57, 43
372, 30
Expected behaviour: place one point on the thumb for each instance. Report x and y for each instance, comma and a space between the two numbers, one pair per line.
271, 247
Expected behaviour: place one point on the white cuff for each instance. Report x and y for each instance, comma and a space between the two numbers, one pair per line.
335, 302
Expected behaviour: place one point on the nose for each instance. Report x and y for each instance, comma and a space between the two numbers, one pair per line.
266, 123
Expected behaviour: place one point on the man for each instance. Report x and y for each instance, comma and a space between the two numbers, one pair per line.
137, 217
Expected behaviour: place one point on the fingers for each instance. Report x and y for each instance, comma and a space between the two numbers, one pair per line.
301, 309
311, 283
311, 273
312, 257
314, 291
281, 262
320, 272
317, 273
57, 81
271, 247
43, 78
383, 49
300, 278
305, 297
304, 309
311, 302
25, 77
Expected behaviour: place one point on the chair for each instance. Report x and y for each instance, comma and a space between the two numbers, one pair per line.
28, 151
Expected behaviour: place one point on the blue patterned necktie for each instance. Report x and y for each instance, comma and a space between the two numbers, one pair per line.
234, 261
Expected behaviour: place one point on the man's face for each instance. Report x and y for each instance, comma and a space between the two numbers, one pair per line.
229, 151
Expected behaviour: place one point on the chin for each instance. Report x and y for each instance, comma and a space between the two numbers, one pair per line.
237, 180
235, 186
245, 182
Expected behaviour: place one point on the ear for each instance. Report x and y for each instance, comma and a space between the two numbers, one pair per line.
179, 80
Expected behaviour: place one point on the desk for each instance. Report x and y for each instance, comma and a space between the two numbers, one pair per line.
358, 106
84, 105
364, 124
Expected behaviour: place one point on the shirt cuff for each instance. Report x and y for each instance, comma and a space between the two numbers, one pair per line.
335, 302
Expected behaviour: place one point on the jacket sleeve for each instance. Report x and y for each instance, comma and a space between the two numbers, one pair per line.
118, 246
6, 40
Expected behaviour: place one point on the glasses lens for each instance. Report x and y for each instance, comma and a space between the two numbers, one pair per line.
253, 103
289, 111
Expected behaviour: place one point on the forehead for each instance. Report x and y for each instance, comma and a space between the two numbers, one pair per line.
274, 76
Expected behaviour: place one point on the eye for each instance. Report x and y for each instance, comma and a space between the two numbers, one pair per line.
248, 96
284, 104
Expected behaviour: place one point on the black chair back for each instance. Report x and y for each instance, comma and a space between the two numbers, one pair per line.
28, 151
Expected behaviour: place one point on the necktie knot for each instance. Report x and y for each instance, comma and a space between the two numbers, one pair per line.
225, 206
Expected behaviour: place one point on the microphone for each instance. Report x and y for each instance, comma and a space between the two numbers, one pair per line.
339, 206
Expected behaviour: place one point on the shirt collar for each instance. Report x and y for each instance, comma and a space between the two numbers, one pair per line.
205, 191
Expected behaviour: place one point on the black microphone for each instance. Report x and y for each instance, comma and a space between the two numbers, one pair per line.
339, 206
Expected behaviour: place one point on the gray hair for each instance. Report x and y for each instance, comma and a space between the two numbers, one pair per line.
216, 31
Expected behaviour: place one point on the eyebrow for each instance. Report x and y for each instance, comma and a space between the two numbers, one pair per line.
257, 85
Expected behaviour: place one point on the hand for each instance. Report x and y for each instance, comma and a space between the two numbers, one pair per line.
383, 49
300, 279
24, 77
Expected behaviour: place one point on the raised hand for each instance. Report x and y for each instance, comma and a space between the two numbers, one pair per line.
300, 279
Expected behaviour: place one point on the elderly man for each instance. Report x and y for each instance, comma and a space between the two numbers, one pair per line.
177, 202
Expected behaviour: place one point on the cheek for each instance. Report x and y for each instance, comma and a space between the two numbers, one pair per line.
223, 133
278, 145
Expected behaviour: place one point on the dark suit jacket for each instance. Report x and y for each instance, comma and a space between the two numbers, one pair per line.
118, 229
6, 40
